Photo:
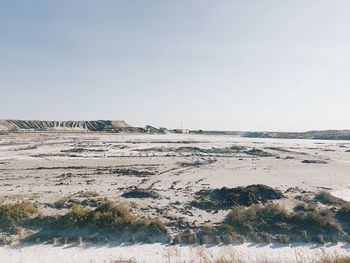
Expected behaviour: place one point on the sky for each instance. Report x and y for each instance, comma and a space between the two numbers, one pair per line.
213, 65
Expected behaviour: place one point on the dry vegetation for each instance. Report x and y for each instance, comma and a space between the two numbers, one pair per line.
344, 212
108, 221
265, 223
12, 216
272, 219
328, 199
87, 194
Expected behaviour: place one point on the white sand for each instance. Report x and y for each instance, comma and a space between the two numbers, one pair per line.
343, 194
158, 253
21, 155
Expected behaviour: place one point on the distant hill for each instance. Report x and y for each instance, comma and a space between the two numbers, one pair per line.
314, 135
39, 125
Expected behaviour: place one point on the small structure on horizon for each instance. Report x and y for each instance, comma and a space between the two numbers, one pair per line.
181, 130
185, 131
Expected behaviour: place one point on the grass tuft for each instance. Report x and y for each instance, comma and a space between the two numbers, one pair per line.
328, 199
13, 215
87, 194
273, 219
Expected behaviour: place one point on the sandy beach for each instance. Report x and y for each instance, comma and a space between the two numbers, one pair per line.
46, 169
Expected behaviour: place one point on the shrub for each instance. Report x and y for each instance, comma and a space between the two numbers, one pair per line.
285, 239
304, 236
177, 240
217, 239
55, 240
227, 239
110, 216
334, 239
12, 215
256, 238
304, 207
315, 221
273, 219
241, 239
335, 259
204, 239
344, 212
189, 238
77, 216
328, 199
268, 239
268, 218
320, 239
347, 238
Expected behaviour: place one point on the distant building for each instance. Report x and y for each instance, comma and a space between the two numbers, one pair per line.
185, 131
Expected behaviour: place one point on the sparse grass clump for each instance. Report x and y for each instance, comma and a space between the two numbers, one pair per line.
204, 239
304, 207
257, 218
189, 238
107, 214
77, 216
317, 221
328, 199
344, 212
176, 240
87, 194
343, 216
305, 236
334, 259
217, 239
13, 215
110, 216
273, 219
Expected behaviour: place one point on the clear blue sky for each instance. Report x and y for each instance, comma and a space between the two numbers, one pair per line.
227, 65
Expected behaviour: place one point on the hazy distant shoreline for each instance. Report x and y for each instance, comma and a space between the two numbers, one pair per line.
113, 126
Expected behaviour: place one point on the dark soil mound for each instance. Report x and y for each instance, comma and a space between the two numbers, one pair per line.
196, 163
134, 172
258, 152
141, 193
314, 161
226, 198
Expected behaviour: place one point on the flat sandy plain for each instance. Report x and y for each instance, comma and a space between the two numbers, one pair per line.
46, 168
